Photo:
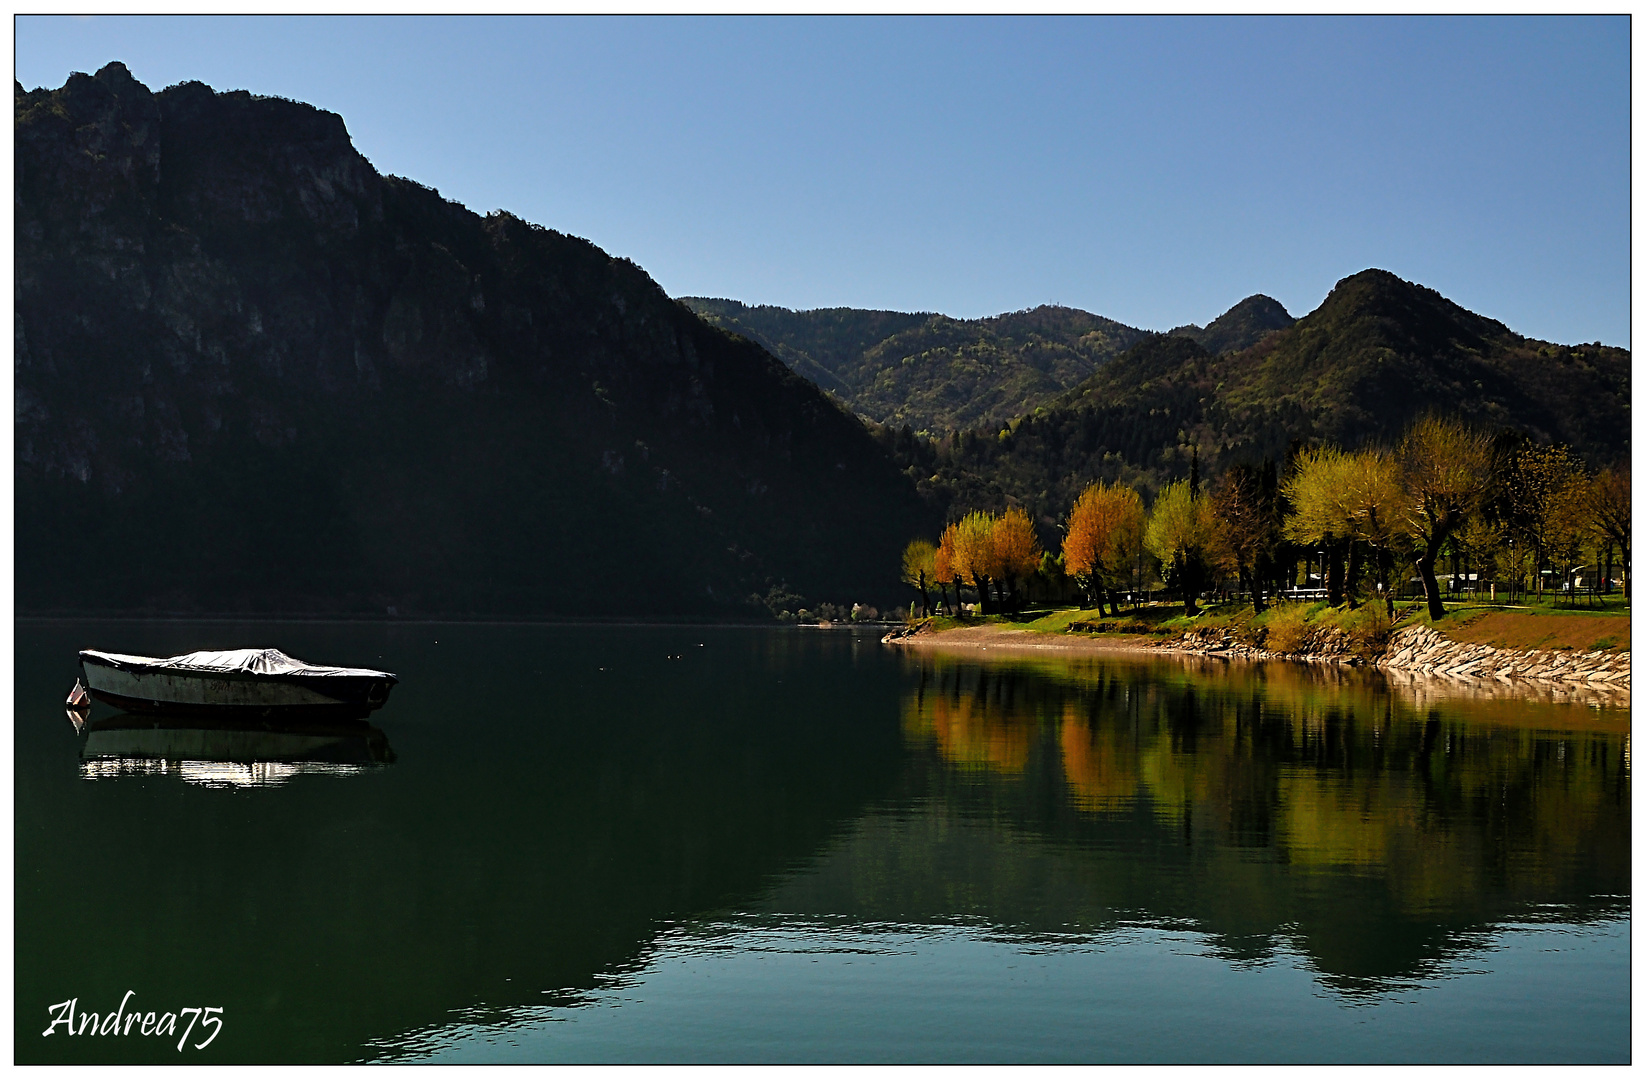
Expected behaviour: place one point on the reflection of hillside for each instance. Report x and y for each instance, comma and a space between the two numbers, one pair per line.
508, 852
1289, 795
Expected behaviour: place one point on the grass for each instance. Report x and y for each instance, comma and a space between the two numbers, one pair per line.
1300, 627
1537, 628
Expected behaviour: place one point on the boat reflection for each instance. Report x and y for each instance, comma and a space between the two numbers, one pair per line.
226, 752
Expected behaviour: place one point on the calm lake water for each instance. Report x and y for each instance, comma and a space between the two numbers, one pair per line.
681, 844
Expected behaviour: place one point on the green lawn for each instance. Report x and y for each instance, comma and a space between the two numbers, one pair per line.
1544, 626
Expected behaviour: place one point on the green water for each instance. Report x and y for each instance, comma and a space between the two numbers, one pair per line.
680, 844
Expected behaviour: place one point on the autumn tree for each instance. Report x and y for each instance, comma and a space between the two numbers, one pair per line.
1181, 534
919, 561
974, 555
1105, 528
1376, 499
943, 569
1317, 487
1347, 504
1446, 470
1014, 551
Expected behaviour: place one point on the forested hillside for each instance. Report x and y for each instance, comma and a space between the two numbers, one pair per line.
938, 374
1376, 354
932, 372
1241, 327
254, 375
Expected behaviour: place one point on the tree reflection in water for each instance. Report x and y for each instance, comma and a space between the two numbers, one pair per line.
1271, 801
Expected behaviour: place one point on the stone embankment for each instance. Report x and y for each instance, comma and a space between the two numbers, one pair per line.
1331, 646
1426, 651
1422, 650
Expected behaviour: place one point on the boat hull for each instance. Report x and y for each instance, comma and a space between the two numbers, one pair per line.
134, 689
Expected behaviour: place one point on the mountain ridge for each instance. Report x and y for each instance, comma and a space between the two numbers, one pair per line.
936, 373
321, 389
1377, 353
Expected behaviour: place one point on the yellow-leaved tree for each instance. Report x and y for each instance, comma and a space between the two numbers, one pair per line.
974, 555
1446, 471
919, 562
1182, 534
1339, 498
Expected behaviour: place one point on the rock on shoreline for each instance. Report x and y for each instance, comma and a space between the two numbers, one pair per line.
1422, 650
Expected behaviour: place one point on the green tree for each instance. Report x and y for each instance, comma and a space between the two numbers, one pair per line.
1319, 489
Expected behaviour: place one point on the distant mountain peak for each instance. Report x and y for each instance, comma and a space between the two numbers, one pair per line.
1241, 327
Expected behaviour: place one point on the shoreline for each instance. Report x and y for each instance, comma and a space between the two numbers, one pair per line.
1429, 663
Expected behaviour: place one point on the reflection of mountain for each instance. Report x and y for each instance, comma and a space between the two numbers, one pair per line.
522, 853
510, 851
1269, 801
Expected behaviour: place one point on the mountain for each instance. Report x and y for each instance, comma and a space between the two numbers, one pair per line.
254, 375
817, 343
1376, 354
1241, 327
931, 372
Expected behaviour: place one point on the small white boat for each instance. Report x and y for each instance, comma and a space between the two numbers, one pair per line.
257, 682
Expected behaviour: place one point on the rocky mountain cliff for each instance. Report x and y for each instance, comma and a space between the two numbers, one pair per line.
252, 374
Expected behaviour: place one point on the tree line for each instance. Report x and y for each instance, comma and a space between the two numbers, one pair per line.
1498, 508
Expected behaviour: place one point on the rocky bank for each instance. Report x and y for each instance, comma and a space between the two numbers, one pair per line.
1422, 650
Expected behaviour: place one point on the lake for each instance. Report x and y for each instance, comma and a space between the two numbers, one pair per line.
659, 844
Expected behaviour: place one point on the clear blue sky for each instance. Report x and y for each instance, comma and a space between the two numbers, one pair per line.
1151, 170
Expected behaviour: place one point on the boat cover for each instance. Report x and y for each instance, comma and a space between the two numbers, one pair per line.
249, 661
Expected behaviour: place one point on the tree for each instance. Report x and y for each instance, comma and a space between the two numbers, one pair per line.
1182, 536
1249, 525
1607, 504
919, 562
974, 554
943, 569
1319, 518
1446, 470
1376, 498
1545, 501
1015, 549
1105, 527
1340, 501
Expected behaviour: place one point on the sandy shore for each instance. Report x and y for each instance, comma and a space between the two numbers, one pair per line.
1002, 638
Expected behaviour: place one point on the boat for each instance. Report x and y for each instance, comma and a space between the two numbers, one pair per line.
263, 683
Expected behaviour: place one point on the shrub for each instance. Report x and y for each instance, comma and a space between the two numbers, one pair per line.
1369, 629
1288, 629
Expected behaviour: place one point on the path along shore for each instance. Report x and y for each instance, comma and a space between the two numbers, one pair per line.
1416, 655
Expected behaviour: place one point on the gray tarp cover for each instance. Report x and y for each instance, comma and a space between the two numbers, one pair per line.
251, 661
